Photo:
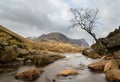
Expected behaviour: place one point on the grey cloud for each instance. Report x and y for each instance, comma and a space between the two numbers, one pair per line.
33, 13
23, 13
35, 17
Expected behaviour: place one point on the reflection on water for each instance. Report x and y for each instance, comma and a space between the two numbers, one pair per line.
72, 61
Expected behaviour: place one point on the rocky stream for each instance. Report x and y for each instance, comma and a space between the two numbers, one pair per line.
76, 62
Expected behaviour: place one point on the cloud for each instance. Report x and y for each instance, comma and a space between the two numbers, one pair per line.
44, 15
35, 17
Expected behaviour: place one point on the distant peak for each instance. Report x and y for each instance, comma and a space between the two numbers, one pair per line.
59, 37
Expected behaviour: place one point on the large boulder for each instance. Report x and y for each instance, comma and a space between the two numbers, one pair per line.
109, 44
29, 75
97, 66
113, 75
112, 71
112, 42
111, 64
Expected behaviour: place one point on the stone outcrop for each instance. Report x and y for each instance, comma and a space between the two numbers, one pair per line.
109, 44
29, 75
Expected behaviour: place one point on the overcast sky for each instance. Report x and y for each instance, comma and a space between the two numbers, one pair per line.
36, 17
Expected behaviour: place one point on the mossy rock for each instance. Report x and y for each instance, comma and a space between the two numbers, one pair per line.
9, 54
99, 48
43, 58
23, 53
90, 53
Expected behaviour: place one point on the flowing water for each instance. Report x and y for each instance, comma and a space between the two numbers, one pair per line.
72, 61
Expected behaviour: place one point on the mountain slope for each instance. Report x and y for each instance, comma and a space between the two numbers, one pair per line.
59, 37
13, 45
12, 34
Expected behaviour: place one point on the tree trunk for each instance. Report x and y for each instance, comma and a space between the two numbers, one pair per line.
93, 35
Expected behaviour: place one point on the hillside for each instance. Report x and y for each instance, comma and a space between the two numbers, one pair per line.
13, 46
59, 37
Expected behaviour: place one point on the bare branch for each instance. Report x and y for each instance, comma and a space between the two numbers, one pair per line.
86, 19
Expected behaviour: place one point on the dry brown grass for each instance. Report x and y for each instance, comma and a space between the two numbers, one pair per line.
55, 46
16, 39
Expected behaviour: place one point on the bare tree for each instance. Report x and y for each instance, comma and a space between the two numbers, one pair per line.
86, 19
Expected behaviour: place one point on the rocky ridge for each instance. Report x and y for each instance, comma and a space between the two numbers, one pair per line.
59, 37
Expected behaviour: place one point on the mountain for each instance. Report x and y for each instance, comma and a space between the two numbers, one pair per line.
80, 42
13, 46
59, 37
54, 36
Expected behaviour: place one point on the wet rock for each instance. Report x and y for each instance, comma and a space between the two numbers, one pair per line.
68, 72
111, 64
113, 75
91, 53
43, 59
29, 75
28, 62
112, 71
97, 66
